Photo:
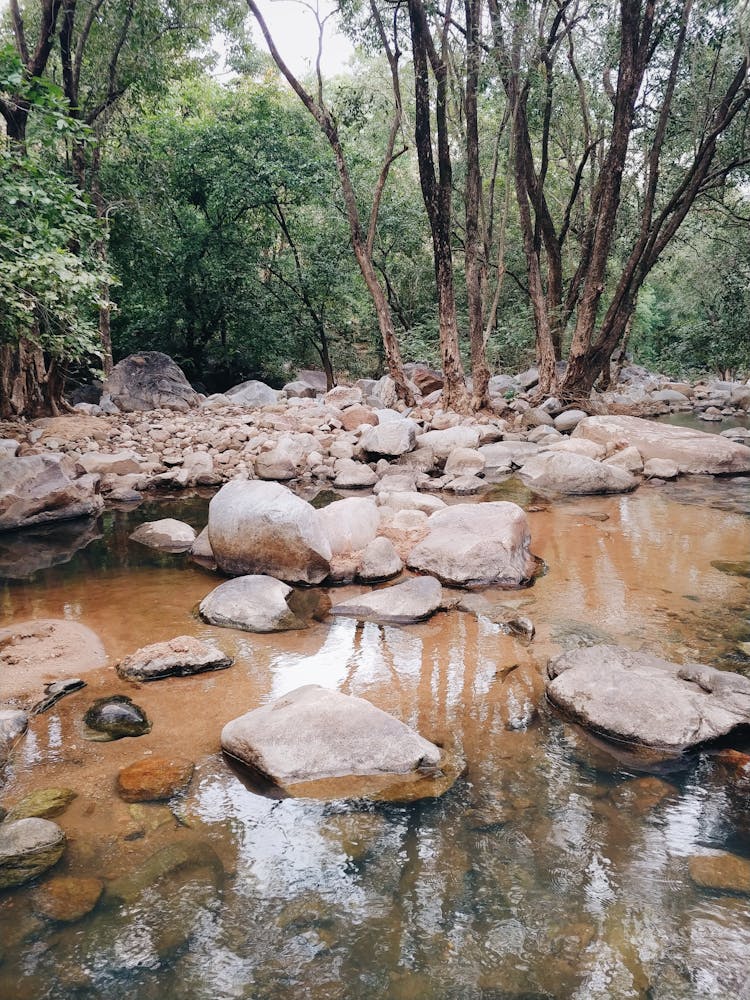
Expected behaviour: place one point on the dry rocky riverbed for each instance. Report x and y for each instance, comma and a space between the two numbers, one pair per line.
443, 566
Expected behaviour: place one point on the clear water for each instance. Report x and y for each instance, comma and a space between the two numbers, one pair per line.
551, 869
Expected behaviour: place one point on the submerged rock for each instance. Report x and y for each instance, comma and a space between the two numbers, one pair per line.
411, 601
154, 779
254, 603
722, 872
314, 733
43, 804
28, 847
180, 657
180, 856
642, 699
13, 724
167, 535
66, 898
262, 527
471, 545
116, 717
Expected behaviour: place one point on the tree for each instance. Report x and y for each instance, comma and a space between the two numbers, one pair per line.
362, 241
680, 96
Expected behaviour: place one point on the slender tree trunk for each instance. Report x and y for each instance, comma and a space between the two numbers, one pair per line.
436, 193
475, 261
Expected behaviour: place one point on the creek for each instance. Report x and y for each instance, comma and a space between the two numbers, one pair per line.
554, 867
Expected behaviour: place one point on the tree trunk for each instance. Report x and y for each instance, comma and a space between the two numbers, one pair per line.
436, 193
29, 386
475, 262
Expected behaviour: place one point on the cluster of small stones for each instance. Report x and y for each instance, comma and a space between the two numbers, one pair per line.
327, 438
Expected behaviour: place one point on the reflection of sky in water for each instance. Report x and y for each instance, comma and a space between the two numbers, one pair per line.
328, 667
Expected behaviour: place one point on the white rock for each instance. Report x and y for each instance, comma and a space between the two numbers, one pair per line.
349, 525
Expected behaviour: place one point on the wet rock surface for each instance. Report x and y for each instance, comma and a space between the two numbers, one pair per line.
67, 899
45, 803
640, 698
114, 718
411, 601
254, 603
178, 657
154, 779
314, 733
28, 847
721, 872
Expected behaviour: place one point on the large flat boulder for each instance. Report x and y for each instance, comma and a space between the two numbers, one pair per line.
640, 698
567, 473
178, 657
36, 489
314, 733
149, 381
473, 545
411, 601
693, 451
262, 527
253, 394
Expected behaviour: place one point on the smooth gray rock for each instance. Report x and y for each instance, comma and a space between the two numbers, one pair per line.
351, 475
350, 524
575, 475
28, 847
259, 527
253, 603
253, 394
391, 439
568, 420
36, 489
411, 601
470, 545
641, 698
506, 454
660, 468
693, 451
119, 463
379, 561
167, 535
443, 442
13, 724
149, 381
178, 657
314, 733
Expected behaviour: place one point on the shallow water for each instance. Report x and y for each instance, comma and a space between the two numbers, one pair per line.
551, 869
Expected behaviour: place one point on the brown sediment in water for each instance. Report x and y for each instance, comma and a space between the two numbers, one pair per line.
642, 577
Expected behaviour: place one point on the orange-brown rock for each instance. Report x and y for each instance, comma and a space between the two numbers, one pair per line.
354, 416
66, 898
154, 778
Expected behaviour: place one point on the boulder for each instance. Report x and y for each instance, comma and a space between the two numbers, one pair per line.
571, 474
13, 724
167, 535
299, 390
343, 396
578, 446
670, 396
154, 779
409, 500
201, 547
120, 463
472, 545
44, 803
568, 420
252, 394
149, 381
257, 527
628, 458
411, 601
350, 524
28, 847
379, 561
282, 462
351, 475
314, 733
254, 603
693, 451
390, 439
640, 698
506, 454
8, 448
443, 442
465, 462
180, 657
660, 468
36, 489
355, 416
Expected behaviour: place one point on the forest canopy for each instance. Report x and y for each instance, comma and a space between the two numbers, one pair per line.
488, 185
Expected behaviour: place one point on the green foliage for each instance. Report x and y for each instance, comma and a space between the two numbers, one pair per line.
50, 275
